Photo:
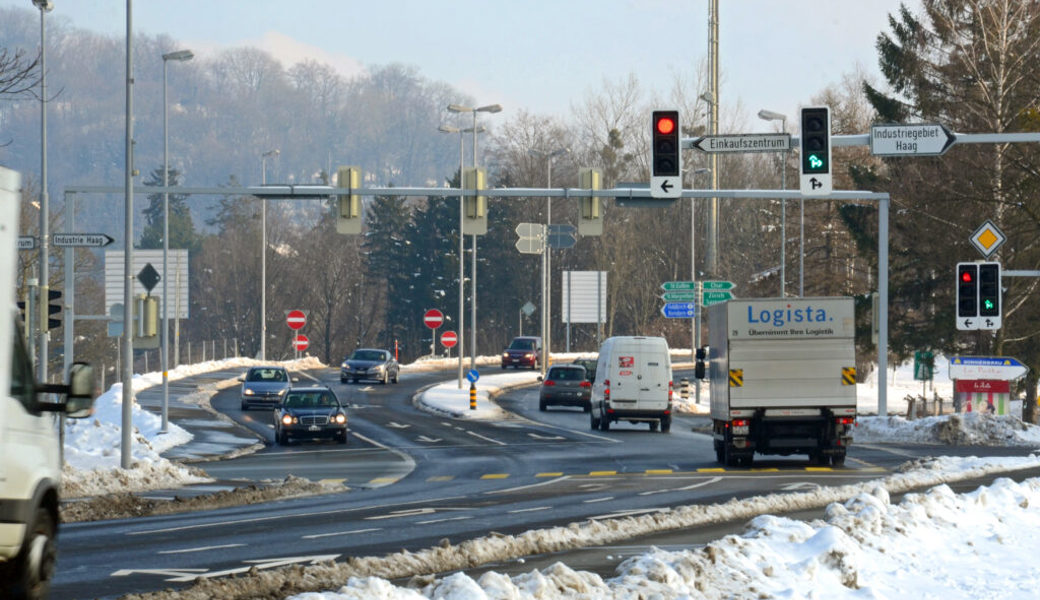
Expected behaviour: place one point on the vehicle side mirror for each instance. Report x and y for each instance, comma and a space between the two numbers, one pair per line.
242, 377
539, 378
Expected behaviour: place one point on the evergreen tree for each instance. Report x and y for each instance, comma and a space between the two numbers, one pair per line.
182, 228
388, 254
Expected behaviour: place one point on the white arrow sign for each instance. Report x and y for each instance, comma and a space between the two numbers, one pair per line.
925, 139
81, 240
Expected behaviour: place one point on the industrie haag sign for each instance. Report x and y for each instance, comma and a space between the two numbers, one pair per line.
926, 139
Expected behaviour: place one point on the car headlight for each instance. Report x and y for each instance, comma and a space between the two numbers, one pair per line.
282, 391
248, 392
288, 419
505, 355
340, 418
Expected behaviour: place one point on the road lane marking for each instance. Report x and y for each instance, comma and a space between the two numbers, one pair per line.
527, 487
601, 473
332, 481
495, 476
351, 532
432, 521
594, 500
712, 470
396, 425
682, 489
484, 437
557, 474
440, 478
383, 480
545, 437
201, 549
659, 471
428, 440
524, 510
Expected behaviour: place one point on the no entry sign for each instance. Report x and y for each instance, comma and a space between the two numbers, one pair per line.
449, 339
433, 318
300, 343
296, 319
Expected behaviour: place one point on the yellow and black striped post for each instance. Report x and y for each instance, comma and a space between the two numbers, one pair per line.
473, 396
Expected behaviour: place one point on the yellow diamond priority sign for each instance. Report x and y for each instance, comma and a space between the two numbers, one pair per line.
988, 238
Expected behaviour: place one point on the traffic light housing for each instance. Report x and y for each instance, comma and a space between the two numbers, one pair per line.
816, 140
146, 321
474, 207
591, 208
53, 307
666, 160
967, 290
348, 205
989, 289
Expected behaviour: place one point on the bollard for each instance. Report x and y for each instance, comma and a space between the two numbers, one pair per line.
684, 388
473, 396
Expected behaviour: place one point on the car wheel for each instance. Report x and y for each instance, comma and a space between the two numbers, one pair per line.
604, 422
342, 438
355, 380
666, 424
593, 421
342, 379
245, 406
586, 407
654, 425
541, 405
29, 574
397, 377
504, 367
386, 378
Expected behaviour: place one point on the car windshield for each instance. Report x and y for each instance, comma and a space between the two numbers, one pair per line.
268, 375
309, 400
567, 373
522, 345
368, 355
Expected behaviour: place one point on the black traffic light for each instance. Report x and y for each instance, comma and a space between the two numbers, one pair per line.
53, 308
666, 159
816, 140
967, 290
989, 289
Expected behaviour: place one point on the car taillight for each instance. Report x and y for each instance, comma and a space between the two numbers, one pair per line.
549, 382
606, 390
740, 422
845, 420
671, 391
586, 384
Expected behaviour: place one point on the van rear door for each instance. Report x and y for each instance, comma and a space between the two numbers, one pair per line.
653, 376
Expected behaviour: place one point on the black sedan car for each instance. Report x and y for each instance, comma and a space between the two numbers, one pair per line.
369, 363
565, 385
310, 412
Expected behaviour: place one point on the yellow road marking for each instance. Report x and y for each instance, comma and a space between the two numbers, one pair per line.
601, 473
658, 471
495, 476
558, 474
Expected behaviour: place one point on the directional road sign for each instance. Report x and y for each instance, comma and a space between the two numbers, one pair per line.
665, 187
753, 142
26, 242
561, 235
680, 296
530, 245
679, 310
717, 285
716, 296
296, 319
670, 286
529, 230
923, 139
472, 375
986, 367
81, 240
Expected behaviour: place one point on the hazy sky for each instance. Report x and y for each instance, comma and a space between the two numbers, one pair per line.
538, 55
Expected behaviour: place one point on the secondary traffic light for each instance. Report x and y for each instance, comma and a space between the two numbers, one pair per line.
665, 143
591, 221
475, 207
816, 174
989, 289
349, 205
967, 290
53, 308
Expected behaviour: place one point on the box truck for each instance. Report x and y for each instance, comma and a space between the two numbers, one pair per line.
30, 459
782, 375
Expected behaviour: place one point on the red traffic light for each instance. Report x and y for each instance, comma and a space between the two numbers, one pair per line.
967, 276
665, 125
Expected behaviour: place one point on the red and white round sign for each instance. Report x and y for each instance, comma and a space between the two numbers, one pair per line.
433, 318
295, 319
449, 339
300, 343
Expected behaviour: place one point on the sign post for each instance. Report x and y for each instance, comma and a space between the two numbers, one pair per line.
433, 319
448, 340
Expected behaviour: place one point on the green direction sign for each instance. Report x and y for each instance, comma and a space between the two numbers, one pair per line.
718, 285
679, 296
669, 286
715, 297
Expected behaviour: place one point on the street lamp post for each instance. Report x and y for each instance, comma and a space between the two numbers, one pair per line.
458, 108
547, 258
769, 115
179, 55
462, 250
263, 254
45, 6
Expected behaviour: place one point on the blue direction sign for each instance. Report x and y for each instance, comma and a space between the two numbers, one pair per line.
679, 310
472, 375
986, 367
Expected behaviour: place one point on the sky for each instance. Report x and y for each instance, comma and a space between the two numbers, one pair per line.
542, 56
932, 544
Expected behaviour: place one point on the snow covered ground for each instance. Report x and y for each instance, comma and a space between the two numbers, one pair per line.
936, 544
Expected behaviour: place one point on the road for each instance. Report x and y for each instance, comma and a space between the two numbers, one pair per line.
414, 478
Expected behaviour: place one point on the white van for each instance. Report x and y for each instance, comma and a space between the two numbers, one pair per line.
633, 383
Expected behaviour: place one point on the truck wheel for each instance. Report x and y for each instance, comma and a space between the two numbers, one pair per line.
720, 456
593, 421
838, 460
604, 423
817, 458
29, 575
666, 424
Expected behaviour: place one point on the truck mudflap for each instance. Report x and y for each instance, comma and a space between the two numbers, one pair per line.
823, 434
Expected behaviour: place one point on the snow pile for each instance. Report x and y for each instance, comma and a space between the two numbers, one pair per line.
967, 429
965, 546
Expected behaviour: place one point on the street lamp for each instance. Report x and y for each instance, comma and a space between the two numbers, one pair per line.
458, 108
179, 55
462, 262
45, 6
547, 257
768, 115
263, 254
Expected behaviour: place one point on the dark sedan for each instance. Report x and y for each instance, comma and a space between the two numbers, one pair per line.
310, 412
368, 363
565, 385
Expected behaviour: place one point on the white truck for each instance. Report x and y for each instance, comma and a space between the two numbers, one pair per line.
782, 375
30, 468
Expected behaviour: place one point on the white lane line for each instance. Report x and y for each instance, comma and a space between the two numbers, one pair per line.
483, 437
529, 486
681, 489
201, 549
536, 509
598, 500
432, 521
351, 532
